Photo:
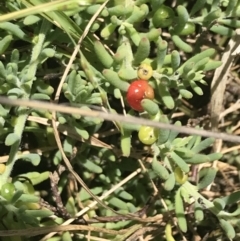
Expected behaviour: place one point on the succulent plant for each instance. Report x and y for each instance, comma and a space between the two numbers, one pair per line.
143, 58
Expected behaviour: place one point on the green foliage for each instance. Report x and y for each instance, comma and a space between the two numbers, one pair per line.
179, 209
37, 38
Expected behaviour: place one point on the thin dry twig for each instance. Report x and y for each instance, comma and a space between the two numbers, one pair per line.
233, 148
135, 236
118, 117
232, 108
56, 99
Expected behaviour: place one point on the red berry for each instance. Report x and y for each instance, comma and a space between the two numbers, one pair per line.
137, 91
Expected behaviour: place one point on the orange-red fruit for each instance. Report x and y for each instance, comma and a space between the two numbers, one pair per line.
137, 91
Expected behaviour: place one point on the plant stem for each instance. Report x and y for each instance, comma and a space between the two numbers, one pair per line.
23, 112
193, 192
18, 130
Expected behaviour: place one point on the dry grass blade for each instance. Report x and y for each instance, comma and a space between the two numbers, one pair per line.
69, 131
76, 50
42, 8
220, 80
39, 151
42, 230
218, 89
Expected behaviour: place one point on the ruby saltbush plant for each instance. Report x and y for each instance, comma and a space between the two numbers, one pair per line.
137, 58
